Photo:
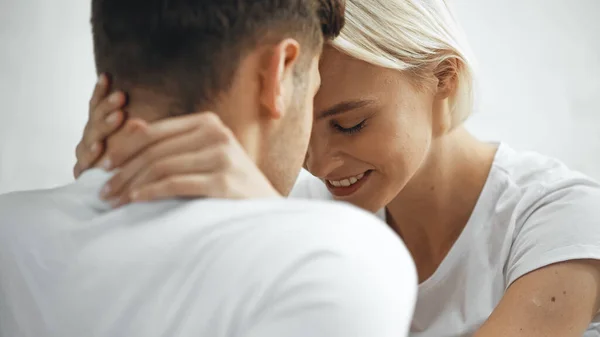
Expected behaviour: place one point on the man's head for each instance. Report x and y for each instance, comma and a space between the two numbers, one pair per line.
254, 62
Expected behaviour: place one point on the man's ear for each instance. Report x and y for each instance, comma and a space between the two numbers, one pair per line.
277, 70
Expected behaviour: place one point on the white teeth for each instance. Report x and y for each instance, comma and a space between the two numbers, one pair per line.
346, 182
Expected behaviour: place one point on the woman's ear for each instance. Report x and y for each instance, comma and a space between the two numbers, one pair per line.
277, 70
447, 74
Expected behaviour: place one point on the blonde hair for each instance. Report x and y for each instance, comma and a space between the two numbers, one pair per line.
410, 36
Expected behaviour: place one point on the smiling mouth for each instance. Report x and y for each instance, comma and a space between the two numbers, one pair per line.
348, 186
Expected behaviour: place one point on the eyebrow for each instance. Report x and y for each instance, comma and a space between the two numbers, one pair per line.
345, 107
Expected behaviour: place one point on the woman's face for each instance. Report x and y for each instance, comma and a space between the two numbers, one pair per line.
372, 130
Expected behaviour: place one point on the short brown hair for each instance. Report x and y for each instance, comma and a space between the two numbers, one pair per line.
191, 48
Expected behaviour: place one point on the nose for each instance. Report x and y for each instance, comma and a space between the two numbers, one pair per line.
322, 157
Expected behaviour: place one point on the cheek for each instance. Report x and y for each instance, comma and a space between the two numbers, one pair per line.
294, 134
404, 145
301, 130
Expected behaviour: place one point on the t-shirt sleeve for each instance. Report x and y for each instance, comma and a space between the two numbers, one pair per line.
354, 278
561, 225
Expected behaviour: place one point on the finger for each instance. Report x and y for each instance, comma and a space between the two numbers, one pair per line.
211, 160
141, 136
104, 119
100, 91
133, 137
136, 136
92, 146
87, 156
195, 150
99, 131
104, 127
186, 186
207, 122
120, 201
108, 104
77, 170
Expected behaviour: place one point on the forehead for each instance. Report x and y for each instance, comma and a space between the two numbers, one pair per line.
346, 78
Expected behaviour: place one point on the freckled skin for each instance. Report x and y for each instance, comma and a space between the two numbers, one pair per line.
399, 117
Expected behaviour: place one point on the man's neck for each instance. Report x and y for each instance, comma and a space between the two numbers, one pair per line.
148, 105
234, 113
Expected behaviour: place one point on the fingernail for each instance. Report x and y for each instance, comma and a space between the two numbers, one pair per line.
101, 79
134, 195
107, 164
115, 98
94, 147
105, 191
112, 118
281, 103
114, 203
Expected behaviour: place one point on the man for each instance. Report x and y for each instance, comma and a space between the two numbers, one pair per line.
71, 265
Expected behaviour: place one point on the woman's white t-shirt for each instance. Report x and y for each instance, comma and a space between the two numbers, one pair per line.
532, 212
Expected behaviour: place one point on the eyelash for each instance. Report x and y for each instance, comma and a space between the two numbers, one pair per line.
355, 129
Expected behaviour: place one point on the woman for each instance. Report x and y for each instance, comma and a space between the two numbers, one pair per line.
506, 243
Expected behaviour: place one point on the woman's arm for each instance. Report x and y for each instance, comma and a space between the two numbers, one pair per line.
189, 156
553, 268
559, 300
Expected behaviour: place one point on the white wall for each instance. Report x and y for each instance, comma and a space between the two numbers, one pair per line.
539, 75
46, 77
539, 70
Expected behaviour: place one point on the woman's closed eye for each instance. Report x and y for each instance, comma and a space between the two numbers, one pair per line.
349, 130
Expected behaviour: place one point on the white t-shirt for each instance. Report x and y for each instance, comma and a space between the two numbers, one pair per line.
71, 267
532, 212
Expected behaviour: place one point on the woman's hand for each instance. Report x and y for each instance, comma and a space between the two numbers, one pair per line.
189, 156
105, 118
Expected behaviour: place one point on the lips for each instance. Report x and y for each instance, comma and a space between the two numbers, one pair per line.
347, 182
347, 186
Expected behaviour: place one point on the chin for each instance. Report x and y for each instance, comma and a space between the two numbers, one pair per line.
365, 194
367, 201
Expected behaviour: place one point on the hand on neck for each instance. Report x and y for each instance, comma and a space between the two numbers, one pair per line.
235, 113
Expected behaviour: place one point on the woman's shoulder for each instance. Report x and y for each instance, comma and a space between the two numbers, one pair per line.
532, 177
529, 195
308, 186
553, 211
539, 182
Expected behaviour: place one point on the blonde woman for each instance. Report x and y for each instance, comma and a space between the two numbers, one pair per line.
506, 243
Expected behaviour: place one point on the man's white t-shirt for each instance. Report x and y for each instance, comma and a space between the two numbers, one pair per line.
71, 267
532, 212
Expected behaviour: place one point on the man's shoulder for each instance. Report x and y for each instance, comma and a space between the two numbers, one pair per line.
293, 228
20, 199
330, 220
283, 216
275, 209
20, 202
